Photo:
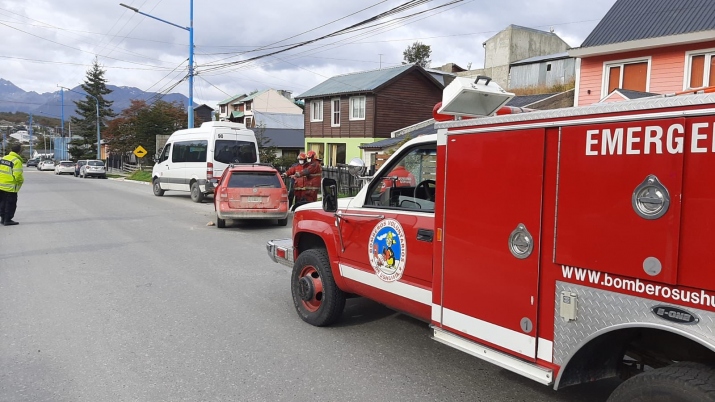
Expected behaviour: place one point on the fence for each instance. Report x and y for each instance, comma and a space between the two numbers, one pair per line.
347, 183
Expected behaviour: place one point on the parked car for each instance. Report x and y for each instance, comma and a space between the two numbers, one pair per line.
64, 167
251, 191
78, 166
93, 168
33, 162
47, 165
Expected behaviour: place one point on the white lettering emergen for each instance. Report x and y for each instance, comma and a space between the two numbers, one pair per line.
646, 140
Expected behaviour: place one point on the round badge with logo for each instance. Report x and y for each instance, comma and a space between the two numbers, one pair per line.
387, 250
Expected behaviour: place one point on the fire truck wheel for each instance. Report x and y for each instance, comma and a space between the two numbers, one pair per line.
684, 382
316, 297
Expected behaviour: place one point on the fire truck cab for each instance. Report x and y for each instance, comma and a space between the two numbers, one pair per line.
566, 245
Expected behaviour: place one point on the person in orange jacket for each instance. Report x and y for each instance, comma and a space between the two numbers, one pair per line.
314, 173
299, 181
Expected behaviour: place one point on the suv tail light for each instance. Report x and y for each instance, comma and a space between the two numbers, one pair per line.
209, 170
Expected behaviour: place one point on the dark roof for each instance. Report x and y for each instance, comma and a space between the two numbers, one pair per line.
630, 94
364, 81
389, 142
284, 137
539, 59
203, 106
526, 100
631, 20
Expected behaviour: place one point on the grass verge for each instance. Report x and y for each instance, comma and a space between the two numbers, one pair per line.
140, 176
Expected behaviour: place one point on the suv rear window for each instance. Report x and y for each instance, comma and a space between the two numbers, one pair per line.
253, 179
95, 163
227, 151
67, 164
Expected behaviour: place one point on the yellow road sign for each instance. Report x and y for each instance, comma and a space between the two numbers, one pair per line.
140, 151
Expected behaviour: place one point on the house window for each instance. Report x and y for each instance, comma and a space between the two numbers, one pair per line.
701, 69
316, 147
235, 107
335, 113
627, 74
357, 108
249, 121
223, 108
316, 110
336, 154
248, 106
548, 67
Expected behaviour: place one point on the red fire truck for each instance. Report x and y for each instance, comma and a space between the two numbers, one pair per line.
566, 245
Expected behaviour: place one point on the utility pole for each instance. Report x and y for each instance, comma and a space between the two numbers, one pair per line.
380, 60
62, 130
30, 131
190, 28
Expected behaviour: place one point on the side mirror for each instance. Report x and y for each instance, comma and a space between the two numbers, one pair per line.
330, 194
356, 167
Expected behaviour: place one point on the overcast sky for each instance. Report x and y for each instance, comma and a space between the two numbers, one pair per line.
46, 43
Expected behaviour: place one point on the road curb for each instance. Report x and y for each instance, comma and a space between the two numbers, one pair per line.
129, 181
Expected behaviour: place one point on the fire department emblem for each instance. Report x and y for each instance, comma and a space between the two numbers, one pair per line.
387, 250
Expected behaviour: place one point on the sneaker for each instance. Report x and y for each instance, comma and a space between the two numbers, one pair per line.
10, 223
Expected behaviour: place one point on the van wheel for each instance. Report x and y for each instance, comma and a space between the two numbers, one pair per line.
196, 194
156, 186
283, 222
220, 223
684, 382
316, 297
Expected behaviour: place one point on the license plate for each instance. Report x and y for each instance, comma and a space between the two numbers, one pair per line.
254, 199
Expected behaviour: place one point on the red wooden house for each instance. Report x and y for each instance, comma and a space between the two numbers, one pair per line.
647, 46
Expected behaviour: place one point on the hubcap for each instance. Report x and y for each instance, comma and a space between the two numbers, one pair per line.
305, 288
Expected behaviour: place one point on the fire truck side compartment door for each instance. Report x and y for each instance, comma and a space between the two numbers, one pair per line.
605, 170
492, 230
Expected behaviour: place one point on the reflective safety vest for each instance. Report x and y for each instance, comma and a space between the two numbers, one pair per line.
11, 178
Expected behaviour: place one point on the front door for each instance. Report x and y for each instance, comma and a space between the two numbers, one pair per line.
163, 168
387, 237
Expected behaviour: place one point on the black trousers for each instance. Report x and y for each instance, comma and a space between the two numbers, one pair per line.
8, 205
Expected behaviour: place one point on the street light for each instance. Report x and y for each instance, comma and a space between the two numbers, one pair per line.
99, 151
190, 28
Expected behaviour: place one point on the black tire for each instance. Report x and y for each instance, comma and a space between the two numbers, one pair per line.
156, 187
220, 223
283, 222
196, 194
329, 303
680, 382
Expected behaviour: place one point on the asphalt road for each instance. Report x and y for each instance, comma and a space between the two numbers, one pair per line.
108, 293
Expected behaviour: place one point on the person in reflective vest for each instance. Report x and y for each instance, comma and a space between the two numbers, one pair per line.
313, 173
294, 172
11, 180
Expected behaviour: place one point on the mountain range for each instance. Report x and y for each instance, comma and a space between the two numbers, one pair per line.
15, 99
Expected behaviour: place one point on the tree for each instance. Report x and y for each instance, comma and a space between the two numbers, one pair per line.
418, 53
266, 151
85, 125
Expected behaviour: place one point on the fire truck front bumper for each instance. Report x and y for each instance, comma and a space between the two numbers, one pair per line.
281, 251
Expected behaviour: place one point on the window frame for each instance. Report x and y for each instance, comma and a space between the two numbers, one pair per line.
607, 65
313, 104
688, 66
364, 107
334, 112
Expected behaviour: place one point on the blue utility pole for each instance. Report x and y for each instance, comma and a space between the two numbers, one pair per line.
62, 129
30, 131
190, 28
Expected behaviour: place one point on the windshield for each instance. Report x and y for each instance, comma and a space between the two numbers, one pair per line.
95, 163
227, 151
254, 179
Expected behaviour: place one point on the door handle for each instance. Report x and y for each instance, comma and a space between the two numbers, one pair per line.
425, 235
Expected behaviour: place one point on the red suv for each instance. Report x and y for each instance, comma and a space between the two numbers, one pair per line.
250, 191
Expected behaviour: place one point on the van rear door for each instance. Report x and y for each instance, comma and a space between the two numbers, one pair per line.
233, 146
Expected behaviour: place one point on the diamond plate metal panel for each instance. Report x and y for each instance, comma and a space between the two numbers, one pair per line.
599, 310
629, 106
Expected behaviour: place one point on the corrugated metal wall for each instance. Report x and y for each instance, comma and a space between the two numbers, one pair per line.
546, 73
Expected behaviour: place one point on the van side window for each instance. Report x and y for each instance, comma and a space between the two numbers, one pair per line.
189, 151
165, 153
228, 151
408, 183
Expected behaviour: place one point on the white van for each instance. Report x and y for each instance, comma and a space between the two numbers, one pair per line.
192, 158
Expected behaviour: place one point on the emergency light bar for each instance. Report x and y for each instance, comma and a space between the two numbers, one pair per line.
467, 96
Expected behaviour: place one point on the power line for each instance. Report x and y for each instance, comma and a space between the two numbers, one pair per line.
81, 64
